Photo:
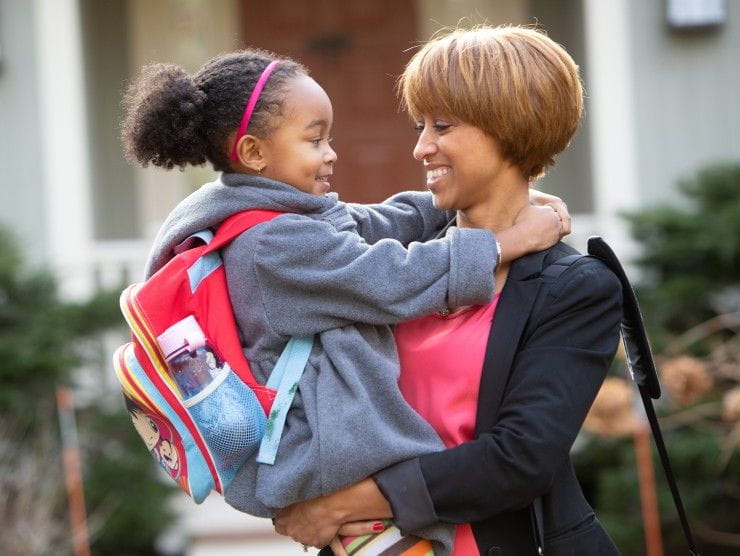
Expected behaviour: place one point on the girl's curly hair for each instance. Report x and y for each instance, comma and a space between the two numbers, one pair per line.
174, 118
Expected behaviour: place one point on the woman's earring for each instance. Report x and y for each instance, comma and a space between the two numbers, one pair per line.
259, 170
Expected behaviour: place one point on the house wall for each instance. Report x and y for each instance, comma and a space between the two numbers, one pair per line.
610, 115
571, 177
21, 175
120, 37
686, 108
105, 58
61, 144
436, 14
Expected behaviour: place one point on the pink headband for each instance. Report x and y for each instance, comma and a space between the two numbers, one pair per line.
253, 98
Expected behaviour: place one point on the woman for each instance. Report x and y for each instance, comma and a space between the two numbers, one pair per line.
493, 106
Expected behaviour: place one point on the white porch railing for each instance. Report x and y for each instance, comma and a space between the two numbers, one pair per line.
107, 264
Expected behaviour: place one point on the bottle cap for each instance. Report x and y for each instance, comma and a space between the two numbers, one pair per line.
183, 335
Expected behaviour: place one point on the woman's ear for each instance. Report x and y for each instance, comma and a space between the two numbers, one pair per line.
249, 150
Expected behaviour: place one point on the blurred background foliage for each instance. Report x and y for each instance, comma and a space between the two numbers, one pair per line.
689, 293
691, 255
42, 341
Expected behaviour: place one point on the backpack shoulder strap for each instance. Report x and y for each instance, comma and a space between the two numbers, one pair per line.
236, 224
639, 356
284, 379
642, 368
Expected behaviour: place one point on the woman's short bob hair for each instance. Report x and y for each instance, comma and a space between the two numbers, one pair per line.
514, 83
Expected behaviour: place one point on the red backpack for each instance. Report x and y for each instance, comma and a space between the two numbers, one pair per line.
186, 382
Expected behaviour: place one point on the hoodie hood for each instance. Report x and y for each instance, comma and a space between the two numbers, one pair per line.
213, 202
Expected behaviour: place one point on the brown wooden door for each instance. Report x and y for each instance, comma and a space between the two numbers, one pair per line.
355, 49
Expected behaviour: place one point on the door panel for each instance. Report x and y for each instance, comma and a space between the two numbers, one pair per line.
355, 49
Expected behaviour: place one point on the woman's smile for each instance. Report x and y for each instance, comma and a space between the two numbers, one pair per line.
434, 174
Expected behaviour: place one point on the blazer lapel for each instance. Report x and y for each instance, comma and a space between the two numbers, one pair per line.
512, 313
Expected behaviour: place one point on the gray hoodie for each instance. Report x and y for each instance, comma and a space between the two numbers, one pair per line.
344, 272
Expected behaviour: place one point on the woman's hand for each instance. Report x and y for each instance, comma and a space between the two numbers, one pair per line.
316, 522
312, 522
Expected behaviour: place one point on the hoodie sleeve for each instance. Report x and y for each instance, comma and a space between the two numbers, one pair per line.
406, 217
312, 278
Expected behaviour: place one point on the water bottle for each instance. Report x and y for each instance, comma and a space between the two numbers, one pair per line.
227, 414
190, 360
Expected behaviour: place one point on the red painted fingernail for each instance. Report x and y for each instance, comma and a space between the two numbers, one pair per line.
378, 526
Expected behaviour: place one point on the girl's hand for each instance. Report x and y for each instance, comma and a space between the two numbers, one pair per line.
535, 228
359, 528
337, 548
542, 224
355, 529
538, 198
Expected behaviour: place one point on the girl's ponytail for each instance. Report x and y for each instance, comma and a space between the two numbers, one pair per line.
164, 118
175, 119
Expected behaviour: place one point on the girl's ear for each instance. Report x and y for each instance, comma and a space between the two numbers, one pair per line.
250, 149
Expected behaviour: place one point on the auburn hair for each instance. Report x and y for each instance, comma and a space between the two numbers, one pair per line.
514, 83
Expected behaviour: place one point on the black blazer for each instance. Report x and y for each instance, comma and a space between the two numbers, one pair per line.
550, 347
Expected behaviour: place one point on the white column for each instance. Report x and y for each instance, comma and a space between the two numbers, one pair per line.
63, 143
611, 115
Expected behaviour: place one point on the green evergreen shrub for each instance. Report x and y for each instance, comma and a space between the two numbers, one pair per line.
41, 341
690, 267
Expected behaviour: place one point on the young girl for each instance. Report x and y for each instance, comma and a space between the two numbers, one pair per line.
343, 272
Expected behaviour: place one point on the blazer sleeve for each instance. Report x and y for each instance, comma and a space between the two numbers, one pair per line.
556, 374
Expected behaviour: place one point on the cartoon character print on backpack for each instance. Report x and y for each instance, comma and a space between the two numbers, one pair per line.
160, 438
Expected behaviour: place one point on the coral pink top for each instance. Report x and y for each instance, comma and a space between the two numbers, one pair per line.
441, 365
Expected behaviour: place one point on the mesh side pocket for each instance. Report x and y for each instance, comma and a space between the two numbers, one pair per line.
232, 423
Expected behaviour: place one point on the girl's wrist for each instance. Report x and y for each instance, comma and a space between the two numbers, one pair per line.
511, 244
